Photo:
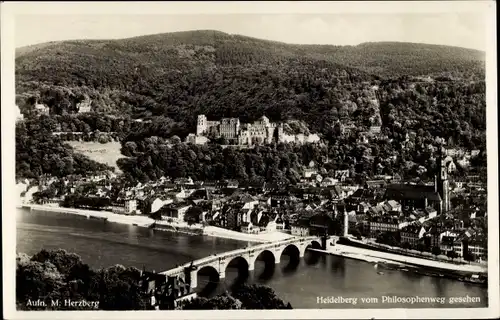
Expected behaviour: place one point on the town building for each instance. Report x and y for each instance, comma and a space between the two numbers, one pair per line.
165, 292
19, 115
476, 244
412, 234
450, 165
126, 206
341, 175
386, 223
432, 236
84, 106
248, 227
448, 242
42, 109
328, 182
414, 197
196, 139
175, 211
375, 129
300, 227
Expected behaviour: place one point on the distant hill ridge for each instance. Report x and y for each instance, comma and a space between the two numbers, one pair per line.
381, 58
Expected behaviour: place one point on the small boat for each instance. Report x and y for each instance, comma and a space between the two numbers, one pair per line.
404, 269
380, 272
475, 278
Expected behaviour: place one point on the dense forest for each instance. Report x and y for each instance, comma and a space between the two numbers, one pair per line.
155, 157
155, 86
52, 275
38, 152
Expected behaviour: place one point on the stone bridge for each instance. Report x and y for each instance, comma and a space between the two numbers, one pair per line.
218, 263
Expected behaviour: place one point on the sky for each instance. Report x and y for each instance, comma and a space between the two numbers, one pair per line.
463, 29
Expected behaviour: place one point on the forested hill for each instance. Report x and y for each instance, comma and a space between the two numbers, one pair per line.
184, 73
426, 90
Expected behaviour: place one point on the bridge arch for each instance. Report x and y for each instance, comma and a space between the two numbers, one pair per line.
236, 260
315, 244
241, 264
312, 256
205, 279
268, 257
290, 248
294, 253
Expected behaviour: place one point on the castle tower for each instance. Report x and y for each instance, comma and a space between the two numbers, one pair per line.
269, 134
201, 126
442, 183
280, 132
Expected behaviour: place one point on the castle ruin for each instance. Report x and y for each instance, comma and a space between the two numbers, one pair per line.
261, 131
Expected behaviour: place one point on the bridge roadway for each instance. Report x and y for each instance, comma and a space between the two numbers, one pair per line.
219, 262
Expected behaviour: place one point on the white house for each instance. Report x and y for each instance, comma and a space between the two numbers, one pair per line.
280, 224
312, 138
270, 226
42, 109
300, 227
309, 172
194, 139
19, 115
84, 106
327, 182
450, 164
130, 205
248, 227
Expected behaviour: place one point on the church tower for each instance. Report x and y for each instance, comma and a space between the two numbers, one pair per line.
345, 225
442, 183
201, 126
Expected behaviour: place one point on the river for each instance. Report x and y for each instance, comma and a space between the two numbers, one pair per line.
335, 279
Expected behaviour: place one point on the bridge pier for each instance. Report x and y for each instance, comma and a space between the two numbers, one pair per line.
194, 280
302, 251
222, 274
277, 258
251, 265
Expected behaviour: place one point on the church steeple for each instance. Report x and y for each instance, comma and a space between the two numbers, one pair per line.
442, 183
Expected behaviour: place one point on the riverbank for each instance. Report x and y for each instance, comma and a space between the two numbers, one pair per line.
469, 274
230, 234
377, 256
371, 244
141, 221
144, 221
